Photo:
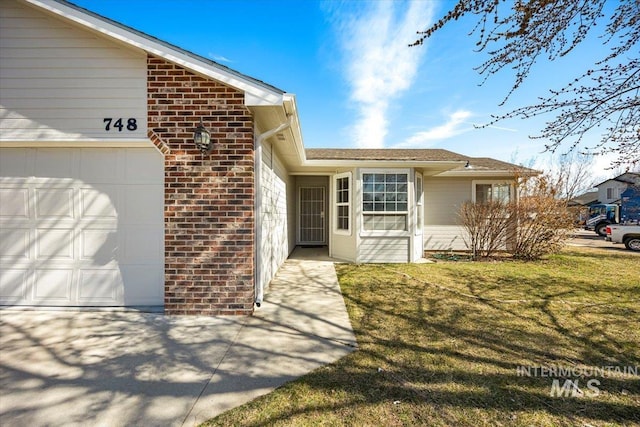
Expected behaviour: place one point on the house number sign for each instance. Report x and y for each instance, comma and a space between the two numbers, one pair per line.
112, 124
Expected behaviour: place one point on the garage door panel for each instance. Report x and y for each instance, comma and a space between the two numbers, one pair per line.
141, 167
100, 287
14, 243
66, 241
147, 292
54, 244
53, 203
53, 286
98, 167
13, 163
14, 203
99, 246
99, 202
142, 245
142, 205
54, 163
13, 284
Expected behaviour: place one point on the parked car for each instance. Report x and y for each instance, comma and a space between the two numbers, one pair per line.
627, 234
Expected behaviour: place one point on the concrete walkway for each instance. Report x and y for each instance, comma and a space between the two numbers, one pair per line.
129, 368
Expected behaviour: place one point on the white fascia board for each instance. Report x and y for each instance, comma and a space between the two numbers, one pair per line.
291, 110
255, 95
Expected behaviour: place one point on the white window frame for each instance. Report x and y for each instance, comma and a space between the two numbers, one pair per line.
610, 193
474, 183
337, 204
419, 203
407, 213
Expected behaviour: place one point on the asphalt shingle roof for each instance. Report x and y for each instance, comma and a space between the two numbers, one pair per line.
428, 154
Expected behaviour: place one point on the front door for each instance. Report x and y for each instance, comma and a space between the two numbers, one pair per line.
311, 228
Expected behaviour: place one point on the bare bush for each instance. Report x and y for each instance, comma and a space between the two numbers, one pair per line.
486, 225
536, 224
540, 221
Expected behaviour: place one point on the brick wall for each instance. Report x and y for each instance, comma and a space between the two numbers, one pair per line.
209, 199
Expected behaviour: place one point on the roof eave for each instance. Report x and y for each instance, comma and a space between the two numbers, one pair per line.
436, 165
502, 173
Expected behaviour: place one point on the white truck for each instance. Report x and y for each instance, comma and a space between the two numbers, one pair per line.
627, 234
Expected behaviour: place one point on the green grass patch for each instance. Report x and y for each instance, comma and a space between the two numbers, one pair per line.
441, 344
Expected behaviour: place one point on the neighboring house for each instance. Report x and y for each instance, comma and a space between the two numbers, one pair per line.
609, 191
106, 201
587, 199
580, 204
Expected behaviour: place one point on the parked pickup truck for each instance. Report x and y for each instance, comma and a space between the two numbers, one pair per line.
627, 234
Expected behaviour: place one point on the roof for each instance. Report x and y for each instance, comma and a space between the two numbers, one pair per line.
632, 178
585, 199
476, 164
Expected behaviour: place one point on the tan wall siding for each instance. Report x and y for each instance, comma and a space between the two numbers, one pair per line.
384, 249
444, 238
443, 198
209, 198
275, 239
60, 83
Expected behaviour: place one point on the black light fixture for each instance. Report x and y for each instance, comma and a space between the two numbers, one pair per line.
202, 138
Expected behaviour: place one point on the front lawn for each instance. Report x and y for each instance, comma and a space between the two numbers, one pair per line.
452, 343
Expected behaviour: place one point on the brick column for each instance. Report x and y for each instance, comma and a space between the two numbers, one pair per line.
209, 199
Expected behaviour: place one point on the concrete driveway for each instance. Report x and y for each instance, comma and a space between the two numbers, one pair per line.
129, 368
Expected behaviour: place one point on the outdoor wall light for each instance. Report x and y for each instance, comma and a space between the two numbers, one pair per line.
202, 138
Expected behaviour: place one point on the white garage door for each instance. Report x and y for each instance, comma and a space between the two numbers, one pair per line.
81, 227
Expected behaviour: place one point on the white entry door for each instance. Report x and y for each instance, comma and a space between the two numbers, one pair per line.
81, 227
311, 229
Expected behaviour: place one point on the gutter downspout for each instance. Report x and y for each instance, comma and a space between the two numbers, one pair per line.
259, 285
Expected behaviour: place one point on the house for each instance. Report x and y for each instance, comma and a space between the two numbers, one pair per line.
105, 199
609, 191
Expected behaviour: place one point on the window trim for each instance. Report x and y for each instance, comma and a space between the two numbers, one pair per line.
407, 213
419, 203
348, 203
511, 184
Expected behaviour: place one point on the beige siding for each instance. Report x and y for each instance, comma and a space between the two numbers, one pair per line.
443, 198
60, 83
444, 238
275, 238
384, 249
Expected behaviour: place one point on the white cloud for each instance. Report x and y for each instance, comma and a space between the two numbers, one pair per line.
219, 58
452, 127
379, 65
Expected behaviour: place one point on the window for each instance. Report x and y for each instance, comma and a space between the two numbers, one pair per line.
385, 201
497, 192
610, 193
343, 205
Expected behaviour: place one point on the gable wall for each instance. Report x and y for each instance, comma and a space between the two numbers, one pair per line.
59, 82
209, 198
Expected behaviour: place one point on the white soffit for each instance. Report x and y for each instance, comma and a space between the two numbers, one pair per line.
255, 94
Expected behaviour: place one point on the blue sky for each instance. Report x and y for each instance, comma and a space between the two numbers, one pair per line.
357, 82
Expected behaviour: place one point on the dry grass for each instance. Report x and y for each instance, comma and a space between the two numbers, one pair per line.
440, 345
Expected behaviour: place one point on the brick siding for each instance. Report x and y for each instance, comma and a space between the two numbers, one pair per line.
209, 199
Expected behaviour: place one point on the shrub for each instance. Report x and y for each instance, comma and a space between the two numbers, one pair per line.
534, 225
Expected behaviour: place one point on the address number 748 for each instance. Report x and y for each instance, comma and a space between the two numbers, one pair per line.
119, 124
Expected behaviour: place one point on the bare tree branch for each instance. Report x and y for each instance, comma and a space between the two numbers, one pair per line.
604, 99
